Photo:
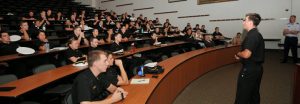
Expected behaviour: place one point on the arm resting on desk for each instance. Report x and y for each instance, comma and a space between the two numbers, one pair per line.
118, 95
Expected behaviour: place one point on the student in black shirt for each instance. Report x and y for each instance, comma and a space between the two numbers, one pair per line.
30, 16
208, 41
157, 31
188, 36
252, 58
202, 29
116, 67
23, 32
197, 27
34, 30
94, 42
90, 86
109, 35
79, 35
95, 34
7, 47
218, 37
49, 15
59, 16
124, 33
73, 54
116, 46
154, 39
118, 27
40, 43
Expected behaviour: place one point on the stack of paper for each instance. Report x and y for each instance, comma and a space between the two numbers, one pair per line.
140, 81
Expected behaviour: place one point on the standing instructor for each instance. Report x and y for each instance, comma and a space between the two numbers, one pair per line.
291, 39
252, 58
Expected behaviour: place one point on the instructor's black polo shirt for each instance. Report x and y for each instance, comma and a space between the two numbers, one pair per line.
255, 43
87, 87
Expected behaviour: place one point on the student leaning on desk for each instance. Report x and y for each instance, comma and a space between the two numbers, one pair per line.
89, 87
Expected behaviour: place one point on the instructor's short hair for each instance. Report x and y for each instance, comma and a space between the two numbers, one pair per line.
254, 17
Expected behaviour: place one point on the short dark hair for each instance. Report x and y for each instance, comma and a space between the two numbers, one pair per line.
2, 33
22, 22
254, 17
293, 16
94, 56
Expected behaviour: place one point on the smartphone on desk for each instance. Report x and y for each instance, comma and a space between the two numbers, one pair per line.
7, 88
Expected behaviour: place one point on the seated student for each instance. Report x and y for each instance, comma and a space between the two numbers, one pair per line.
72, 53
59, 16
156, 21
197, 27
94, 42
157, 31
40, 43
118, 27
116, 67
69, 26
177, 31
7, 47
30, 16
90, 85
49, 15
109, 35
23, 32
208, 41
166, 32
43, 18
188, 26
79, 35
116, 46
34, 30
218, 37
237, 39
95, 34
154, 39
202, 29
124, 33
188, 35
108, 23
198, 35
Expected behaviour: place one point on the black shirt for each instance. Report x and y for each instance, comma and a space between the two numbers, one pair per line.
94, 48
77, 37
111, 75
88, 87
22, 34
38, 43
126, 34
255, 43
209, 44
6, 49
72, 53
217, 34
115, 47
203, 30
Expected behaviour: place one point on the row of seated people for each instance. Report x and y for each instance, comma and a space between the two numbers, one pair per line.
73, 54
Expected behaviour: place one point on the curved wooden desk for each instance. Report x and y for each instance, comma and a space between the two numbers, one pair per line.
35, 81
180, 70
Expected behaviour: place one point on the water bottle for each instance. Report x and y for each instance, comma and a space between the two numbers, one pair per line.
47, 46
141, 71
142, 30
44, 27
